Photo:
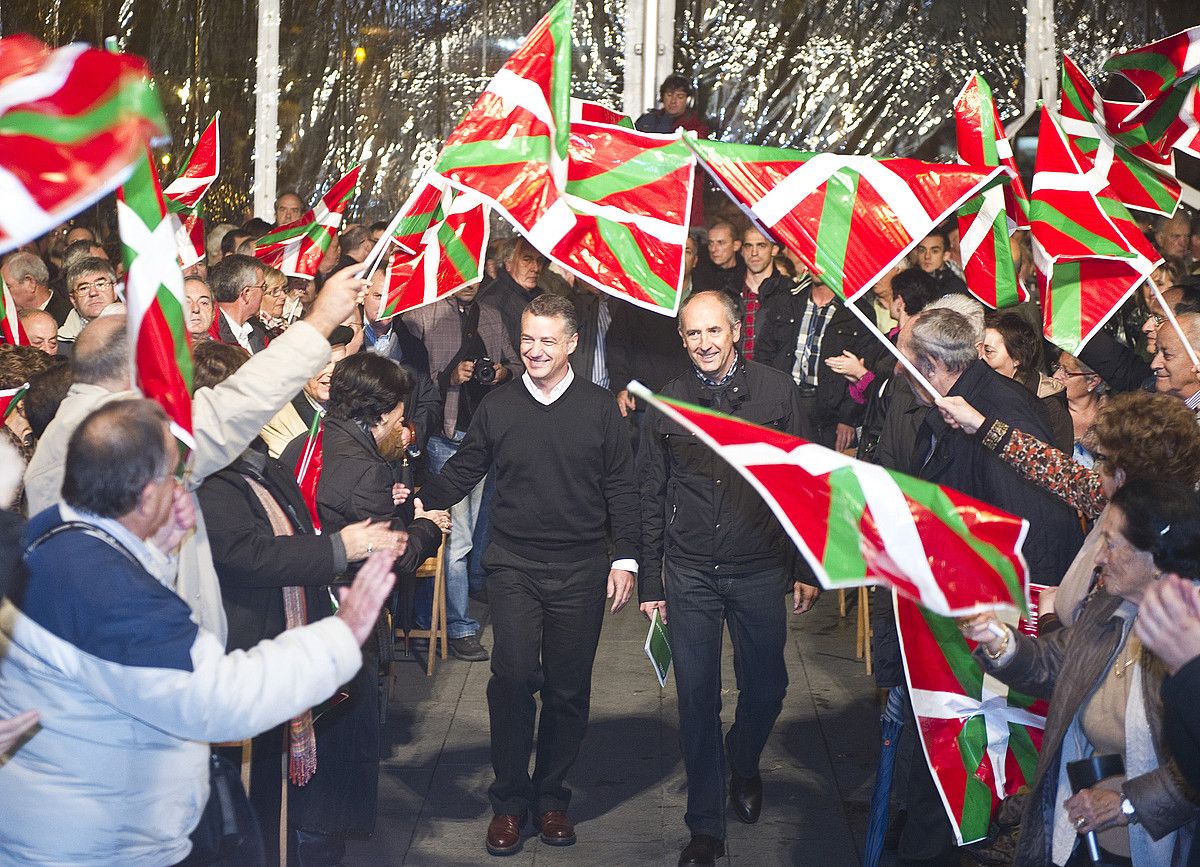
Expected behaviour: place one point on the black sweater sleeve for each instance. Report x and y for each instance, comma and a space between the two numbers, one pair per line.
465, 468
245, 551
1181, 719
1118, 365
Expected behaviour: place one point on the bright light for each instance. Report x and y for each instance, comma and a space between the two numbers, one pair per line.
166, 159
360, 54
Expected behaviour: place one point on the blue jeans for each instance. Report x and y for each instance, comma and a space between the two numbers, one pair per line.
458, 550
699, 603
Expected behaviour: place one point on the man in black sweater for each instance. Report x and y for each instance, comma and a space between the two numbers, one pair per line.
564, 484
727, 560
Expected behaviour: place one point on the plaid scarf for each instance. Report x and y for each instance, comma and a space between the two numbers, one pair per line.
302, 741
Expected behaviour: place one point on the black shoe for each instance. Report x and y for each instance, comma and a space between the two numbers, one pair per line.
468, 648
745, 793
702, 850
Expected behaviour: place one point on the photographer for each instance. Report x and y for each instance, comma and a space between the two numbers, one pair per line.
470, 353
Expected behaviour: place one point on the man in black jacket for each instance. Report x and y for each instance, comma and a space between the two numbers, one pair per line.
797, 332
564, 486
727, 559
516, 284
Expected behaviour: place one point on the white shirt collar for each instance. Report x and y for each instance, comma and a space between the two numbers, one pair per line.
241, 333
555, 393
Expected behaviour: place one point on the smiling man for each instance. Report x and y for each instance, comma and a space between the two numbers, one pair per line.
727, 561
565, 497
1172, 369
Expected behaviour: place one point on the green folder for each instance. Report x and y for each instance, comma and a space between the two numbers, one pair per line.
658, 648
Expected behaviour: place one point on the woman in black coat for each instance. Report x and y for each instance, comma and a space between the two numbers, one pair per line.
254, 564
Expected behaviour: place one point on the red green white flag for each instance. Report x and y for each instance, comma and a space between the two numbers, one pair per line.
851, 219
308, 467
858, 523
9, 398
1156, 69
449, 256
597, 112
1138, 176
980, 738
511, 147
183, 195
986, 222
1088, 250
11, 331
158, 338
297, 248
73, 122
631, 194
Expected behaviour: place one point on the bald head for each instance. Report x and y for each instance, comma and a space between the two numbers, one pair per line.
41, 329
101, 355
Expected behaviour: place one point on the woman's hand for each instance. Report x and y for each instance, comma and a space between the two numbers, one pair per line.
439, 516
359, 604
1095, 809
848, 365
400, 492
986, 629
1168, 621
960, 414
365, 538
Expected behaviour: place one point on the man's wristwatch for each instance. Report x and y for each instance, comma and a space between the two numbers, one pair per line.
1128, 810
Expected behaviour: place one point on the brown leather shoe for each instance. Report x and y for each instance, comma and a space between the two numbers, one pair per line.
556, 828
504, 834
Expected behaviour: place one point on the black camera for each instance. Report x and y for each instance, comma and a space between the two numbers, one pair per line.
485, 373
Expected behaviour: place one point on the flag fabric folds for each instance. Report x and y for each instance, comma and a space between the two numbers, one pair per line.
849, 218
308, 467
183, 195
980, 738
631, 195
1156, 68
297, 248
73, 122
1089, 252
1086, 120
449, 254
158, 339
511, 147
986, 222
858, 523
596, 112
9, 398
11, 330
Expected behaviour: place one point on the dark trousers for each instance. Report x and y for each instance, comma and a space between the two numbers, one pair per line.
699, 603
927, 838
546, 620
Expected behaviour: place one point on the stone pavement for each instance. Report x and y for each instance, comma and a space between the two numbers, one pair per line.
629, 784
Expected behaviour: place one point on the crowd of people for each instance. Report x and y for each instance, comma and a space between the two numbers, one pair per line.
152, 612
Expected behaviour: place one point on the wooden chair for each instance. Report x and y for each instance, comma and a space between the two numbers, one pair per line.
434, 568
862, 640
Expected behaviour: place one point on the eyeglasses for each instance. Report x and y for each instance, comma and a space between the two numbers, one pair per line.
98, 285
277, 292
262, 287
1056, 369
1158, 319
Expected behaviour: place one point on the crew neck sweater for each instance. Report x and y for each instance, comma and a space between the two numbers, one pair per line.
564, 474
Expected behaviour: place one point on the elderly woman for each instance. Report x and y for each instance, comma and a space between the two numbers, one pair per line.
275, 573
1012, 348
1086, 392
1135, 436
275, 293
1103, 691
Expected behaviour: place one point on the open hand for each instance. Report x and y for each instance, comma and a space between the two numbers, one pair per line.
1168, 621
360, 603
620, 588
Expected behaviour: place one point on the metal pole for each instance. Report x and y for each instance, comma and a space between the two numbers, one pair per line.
266, 109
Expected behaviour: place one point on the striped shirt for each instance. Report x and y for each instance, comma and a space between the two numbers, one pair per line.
806, 370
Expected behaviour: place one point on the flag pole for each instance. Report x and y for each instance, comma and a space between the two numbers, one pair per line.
895, 350
1187, 346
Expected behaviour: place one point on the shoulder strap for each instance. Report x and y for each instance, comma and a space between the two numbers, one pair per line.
88, 530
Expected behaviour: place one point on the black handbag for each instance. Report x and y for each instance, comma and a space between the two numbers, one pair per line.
228, 832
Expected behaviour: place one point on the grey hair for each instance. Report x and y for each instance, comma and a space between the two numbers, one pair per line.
88, 265
555, 305
228, 277
942, 335
97, 361
963, 305
24, 264
728, 304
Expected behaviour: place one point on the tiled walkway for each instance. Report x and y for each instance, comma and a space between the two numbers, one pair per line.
629, 785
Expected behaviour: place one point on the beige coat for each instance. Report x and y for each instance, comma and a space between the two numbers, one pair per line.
225, 419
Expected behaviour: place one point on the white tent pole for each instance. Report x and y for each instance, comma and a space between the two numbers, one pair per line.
1041, 61
266, 110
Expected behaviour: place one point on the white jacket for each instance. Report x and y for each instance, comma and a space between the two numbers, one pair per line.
225, 419
130, 691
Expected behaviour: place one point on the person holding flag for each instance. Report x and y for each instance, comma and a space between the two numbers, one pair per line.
727, 560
